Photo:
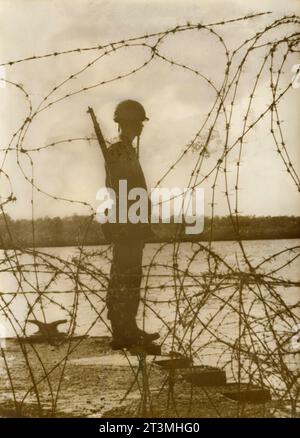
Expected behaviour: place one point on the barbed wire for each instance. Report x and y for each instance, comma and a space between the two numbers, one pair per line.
233, 315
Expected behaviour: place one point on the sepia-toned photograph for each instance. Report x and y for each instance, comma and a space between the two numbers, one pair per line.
150, 214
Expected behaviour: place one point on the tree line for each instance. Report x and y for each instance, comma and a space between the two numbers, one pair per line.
77, 230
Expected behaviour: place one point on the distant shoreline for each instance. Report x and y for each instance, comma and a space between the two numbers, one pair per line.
82, 231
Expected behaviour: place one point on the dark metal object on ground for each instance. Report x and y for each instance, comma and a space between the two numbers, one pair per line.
250, 394
48, 332
205, 376
176, 363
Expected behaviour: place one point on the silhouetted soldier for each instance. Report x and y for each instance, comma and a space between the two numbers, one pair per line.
128, 239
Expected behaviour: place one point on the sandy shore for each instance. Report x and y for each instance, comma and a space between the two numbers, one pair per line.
94, 382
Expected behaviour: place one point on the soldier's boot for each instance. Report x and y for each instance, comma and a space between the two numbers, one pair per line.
124, 331
148, 337
126, 335
141, 339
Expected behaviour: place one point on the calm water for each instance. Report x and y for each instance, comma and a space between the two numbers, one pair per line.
46, 282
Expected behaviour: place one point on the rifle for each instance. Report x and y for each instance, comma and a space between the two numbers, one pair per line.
103, 147
99, 134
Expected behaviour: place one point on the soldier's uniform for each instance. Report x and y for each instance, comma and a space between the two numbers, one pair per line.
128, 240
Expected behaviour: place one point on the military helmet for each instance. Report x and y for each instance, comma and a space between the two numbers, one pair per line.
130, 110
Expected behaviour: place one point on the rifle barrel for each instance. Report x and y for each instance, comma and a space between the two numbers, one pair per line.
98, 132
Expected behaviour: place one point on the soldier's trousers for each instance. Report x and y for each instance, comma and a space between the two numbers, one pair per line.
123, 295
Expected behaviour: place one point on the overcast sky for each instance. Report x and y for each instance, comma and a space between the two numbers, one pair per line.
175, 100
